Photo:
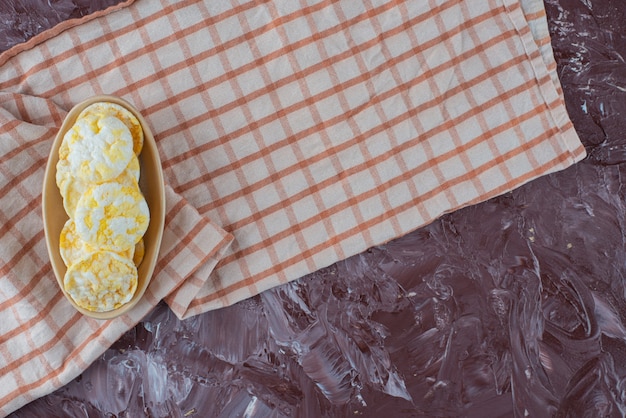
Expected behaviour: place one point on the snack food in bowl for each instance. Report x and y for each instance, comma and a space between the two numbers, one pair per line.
103, 206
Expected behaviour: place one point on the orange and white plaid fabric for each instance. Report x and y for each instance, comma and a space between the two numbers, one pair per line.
292, 134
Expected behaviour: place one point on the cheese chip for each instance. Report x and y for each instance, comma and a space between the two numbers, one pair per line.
101, 281
98, 149
103, 109
131, 174
139, 252
72, 188
112, 216
73, 248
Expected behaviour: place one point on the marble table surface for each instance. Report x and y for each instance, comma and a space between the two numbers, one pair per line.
516, 306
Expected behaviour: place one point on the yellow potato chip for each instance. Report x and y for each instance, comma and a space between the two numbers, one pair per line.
130, 175
64, 149
72, 188
101, 281
73, 248
112, 216
139, 252
99, 149
103, 109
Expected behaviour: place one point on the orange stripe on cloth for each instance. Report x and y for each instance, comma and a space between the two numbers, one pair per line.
292, 135
336, 149
397, 180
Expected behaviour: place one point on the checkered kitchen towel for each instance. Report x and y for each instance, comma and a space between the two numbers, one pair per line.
303, 131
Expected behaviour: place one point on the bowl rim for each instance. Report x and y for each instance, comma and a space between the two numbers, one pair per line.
154, 190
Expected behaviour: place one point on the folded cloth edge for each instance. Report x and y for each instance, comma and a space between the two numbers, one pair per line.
57, 29
202, 247
553, 92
